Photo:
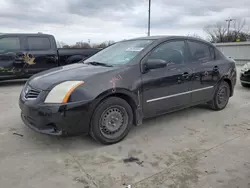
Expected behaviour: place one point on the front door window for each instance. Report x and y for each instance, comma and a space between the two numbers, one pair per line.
9, 44
172, 52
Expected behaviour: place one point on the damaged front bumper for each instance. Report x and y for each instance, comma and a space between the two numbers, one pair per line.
55, 119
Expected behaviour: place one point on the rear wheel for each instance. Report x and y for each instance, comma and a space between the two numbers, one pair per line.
111, 121
245, 85
221, 96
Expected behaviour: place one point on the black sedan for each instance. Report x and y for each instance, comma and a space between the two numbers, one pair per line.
125, 83
245, 75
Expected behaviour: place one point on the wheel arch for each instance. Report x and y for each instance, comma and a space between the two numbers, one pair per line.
230, 86
226, 79
123, 94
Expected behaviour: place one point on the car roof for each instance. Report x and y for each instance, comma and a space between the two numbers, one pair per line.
24, 34
166, 37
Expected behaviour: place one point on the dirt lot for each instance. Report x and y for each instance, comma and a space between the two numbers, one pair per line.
195, 147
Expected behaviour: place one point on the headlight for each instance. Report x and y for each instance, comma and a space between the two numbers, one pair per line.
61, 92
246, 67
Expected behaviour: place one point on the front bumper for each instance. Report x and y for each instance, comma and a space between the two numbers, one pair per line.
56, 119
245, 77
49, 129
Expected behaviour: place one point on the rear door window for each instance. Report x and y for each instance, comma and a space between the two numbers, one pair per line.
9, 44
38, 43
200, 52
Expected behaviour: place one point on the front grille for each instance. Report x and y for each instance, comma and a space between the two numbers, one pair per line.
31, 93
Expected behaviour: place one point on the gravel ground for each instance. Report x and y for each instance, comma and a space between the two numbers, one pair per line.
191, 148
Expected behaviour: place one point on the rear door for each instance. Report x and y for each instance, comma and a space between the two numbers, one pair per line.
167, 89
42, 54
205, 70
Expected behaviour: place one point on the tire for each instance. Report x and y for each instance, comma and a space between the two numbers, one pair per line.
245, 85
111, 121
220, 98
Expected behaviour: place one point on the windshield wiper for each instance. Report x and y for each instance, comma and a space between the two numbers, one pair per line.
99, 63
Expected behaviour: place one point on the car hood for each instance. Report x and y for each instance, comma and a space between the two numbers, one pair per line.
78, 71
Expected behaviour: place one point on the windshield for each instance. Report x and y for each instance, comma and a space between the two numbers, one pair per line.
119, 53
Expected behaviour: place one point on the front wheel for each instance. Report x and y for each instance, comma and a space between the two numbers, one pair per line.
221, 96
111, 121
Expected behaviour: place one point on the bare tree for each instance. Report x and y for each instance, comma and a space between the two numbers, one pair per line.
66, 46
60, 44
240, 31
239, 25
103, 44
216, 32
81, 45
219, 32
194, 35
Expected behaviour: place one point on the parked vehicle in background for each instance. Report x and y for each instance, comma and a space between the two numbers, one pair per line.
125, 83
245, 75
23, 55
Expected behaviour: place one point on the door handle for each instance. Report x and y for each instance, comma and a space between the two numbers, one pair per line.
20, 53
19, 56
52, 58
216, 68
185, 75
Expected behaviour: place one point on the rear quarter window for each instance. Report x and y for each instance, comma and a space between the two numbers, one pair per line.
218, 54
200, 52
38, 43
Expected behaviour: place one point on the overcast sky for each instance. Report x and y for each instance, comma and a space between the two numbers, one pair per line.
99, 20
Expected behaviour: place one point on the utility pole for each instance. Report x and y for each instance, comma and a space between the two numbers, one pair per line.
228, 26
149, 15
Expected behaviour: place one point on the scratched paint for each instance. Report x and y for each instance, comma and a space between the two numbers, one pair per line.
113, 81
139, 100
29, 59
26, 59
9, 70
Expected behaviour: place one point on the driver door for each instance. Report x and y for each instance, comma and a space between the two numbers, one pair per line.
10, 47
168, 88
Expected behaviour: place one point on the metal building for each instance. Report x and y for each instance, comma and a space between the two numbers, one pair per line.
239, 51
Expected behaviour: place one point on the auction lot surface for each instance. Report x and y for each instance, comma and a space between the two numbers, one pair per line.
195, 147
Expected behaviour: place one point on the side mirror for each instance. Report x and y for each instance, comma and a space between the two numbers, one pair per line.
154, 64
